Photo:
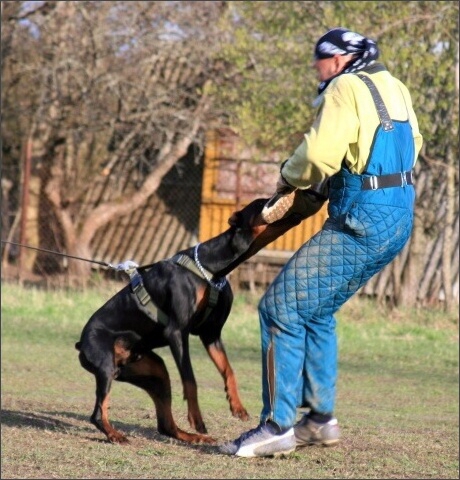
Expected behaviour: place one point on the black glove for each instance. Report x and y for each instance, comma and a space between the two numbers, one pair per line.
309, 201
320, 190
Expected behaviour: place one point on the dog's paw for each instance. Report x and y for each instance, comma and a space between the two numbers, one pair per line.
197, 424
240, 412
201, 428
194, 437
117, 437
208, 440
203, 439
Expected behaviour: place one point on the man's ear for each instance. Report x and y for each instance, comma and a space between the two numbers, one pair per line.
338, 65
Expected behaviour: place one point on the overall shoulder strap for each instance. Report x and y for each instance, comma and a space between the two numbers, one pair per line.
382, 111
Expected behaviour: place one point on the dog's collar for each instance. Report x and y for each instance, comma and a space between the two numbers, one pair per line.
207, 275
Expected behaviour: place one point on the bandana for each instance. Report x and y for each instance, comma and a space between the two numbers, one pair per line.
341, 41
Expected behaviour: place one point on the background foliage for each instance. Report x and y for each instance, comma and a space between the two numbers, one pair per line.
273, 47
271, 105
115, 93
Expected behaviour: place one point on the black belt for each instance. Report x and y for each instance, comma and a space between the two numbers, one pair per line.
385, 181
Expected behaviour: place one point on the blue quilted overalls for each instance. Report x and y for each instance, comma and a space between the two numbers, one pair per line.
370, 221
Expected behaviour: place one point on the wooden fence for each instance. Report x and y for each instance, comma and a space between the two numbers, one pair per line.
232, 179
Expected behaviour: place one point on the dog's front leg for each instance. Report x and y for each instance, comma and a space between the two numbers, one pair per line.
218, 355
179, 345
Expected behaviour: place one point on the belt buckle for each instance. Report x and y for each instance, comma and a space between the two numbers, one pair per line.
403, 179
373, 182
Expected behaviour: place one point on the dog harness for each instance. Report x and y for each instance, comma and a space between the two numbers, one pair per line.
146, 304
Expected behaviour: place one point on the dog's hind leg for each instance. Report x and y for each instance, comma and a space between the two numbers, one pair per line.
218, 355
100, 416
150, 374
99, 356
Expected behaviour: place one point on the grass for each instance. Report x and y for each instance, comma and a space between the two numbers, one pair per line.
397, 398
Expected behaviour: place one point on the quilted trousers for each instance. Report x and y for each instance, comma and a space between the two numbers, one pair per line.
298, 327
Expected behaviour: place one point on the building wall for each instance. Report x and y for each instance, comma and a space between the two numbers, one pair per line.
232, 179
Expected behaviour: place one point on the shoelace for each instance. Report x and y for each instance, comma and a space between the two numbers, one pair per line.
250, 433
255, 431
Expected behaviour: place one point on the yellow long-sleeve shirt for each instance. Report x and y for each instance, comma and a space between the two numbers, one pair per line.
345, 126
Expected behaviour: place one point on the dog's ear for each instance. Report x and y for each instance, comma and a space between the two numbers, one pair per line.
233, 220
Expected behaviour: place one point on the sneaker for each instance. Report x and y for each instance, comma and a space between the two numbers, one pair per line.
264, 441
308, 432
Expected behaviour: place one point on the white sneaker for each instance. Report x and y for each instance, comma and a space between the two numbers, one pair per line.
308, 432
264, 441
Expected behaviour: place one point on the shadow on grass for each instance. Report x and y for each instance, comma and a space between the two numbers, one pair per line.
53, 421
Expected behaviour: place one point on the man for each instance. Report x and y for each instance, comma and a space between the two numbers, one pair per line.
360, 150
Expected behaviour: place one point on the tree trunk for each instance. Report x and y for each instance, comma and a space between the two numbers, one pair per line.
448, 247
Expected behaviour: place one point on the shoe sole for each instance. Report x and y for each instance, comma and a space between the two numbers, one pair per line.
271, 455
322, 443
283, 454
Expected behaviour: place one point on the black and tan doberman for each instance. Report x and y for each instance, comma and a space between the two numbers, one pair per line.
191, 296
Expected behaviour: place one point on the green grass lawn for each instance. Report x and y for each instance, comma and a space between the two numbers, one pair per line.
397, 398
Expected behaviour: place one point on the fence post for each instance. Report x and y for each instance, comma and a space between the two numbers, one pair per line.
24, 203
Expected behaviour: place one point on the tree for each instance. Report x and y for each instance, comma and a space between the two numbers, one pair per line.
270, 106
114, 93
105, 88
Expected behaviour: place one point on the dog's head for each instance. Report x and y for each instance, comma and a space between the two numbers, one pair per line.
250, 216
253, 233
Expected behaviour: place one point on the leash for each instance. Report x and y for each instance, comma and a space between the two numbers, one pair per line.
125, 266
142, 297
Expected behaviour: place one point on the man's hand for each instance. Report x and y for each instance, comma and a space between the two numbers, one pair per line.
283, 187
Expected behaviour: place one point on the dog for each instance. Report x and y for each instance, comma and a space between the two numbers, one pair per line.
191, 296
